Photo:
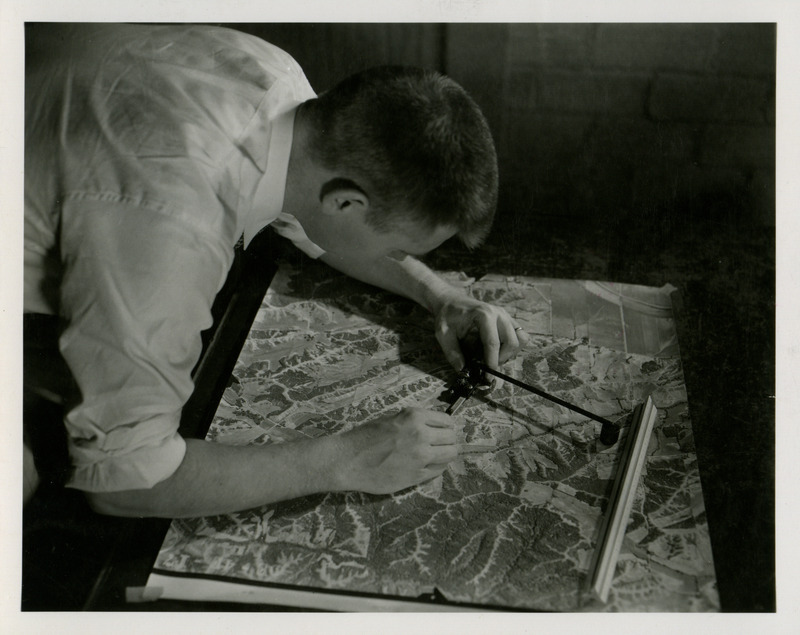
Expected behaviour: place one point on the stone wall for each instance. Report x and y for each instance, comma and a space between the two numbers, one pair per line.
618, 121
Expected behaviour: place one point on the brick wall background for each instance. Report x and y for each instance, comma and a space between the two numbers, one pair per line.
612, 123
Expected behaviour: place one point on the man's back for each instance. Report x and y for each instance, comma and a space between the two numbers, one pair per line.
145, 146
171, 118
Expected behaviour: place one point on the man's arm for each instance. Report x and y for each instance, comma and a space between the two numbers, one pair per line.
134, 319
383, 456
455, 312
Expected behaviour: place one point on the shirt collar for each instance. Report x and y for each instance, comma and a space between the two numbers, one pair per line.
269, 193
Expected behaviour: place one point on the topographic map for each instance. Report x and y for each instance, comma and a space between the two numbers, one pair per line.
513, 522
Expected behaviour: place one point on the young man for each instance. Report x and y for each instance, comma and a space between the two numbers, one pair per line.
150, 151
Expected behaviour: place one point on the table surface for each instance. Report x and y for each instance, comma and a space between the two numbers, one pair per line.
512, 523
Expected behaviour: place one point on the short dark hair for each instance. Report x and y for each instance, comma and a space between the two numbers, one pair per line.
415, 142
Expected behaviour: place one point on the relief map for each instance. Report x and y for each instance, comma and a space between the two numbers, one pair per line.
512, 523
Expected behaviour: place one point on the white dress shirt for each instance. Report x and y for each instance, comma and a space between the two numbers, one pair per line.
149, 151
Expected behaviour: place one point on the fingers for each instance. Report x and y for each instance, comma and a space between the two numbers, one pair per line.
432, 471
448, 340
398, 450
441, 455
440, 436
436, 419
499, 334
435, 436
523, 338
509, 343
490, 338
502, 339
431, 427
436, 427
512, 338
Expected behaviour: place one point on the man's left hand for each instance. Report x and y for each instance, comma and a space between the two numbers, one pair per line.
501, 338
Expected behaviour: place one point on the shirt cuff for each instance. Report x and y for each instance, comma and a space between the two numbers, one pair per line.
140, 469
289, 227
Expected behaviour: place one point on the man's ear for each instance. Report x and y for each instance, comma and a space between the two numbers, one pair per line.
342, 196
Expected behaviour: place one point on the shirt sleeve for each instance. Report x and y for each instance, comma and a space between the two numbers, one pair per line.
136, 293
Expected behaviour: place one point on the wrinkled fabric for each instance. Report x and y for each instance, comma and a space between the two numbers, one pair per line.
149, 151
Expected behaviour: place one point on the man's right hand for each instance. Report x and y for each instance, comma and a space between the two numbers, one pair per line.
396, 451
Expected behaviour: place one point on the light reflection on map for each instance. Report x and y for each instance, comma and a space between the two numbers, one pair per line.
512, 523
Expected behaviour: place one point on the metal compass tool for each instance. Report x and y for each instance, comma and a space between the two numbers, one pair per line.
474, 375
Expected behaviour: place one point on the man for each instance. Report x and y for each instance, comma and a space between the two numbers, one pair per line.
150, 151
